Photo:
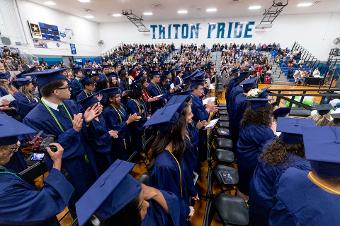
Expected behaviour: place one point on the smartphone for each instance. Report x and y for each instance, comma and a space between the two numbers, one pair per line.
37, 156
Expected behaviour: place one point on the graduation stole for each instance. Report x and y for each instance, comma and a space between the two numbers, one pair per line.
118, 112
140, 108
158, 88
54, 117
3, 170
180, 173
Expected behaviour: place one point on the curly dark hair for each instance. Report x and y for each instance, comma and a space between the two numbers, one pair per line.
262, 116
277, 152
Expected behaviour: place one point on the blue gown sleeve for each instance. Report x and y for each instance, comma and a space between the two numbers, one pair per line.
152, 91
24, 105
157, 216
22, 205
100, 136
280, 216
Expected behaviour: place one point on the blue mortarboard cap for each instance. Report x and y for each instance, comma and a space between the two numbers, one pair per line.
165, 116
5, 75
10, 129
86, 81
112, 191
281, 112
76, 68
322, 145
88, 101
256, 103
178, 69
115, 64
264, 93
323, 108
105, 65
112, 74
196, 82
248, 83
154, 73
243, 76
102, 77
47, 76
178, 99
21, 82
291, 129
199, 76
23, 73
109, 92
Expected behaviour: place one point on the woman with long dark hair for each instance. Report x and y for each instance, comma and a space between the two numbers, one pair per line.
285, 151
25, 99
255, 132
167, 149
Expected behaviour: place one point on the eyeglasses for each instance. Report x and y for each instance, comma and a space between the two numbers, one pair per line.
67, 87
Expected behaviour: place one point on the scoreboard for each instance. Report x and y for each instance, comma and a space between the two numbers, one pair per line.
49, 32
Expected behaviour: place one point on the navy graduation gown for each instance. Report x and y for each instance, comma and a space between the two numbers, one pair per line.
76, 88
116, 120
24, 105
17, 162
101, 143
250, 145
3, 92
75, 166
227, 94
200, 114
191, 155
82, 95
264, 184
156, 216
136, 128
165, 175
22, 204
155, 90
301, 202
240, 106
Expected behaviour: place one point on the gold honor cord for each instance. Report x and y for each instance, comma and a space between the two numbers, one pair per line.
118, 112
54, 117
180, 173
318, 183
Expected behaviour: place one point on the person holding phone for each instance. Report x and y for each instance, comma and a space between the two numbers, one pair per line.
21, 203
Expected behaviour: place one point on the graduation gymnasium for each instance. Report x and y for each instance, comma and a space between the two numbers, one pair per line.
169, 113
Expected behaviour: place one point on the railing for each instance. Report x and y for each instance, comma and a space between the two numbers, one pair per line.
293, 93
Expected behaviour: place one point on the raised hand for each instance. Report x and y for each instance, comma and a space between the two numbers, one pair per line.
77, 122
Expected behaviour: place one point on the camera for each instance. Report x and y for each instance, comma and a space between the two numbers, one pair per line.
46, 143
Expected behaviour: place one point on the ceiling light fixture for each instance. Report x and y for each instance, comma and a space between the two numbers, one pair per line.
304, 4
116, 15
50, 3
211, 10
89, 16
254, 7
182, 11
147, 13
84, 1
